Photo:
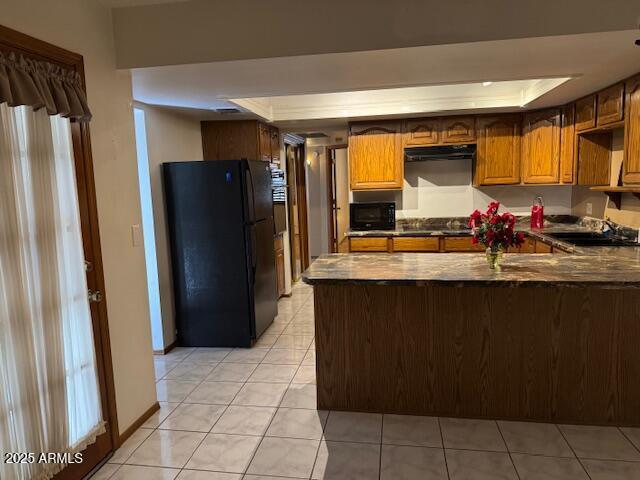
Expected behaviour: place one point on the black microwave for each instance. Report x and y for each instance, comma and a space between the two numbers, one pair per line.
372, 216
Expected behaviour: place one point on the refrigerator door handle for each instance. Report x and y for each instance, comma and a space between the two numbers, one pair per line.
254, 254
252, 215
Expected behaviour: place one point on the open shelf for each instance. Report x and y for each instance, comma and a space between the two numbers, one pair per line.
615, 192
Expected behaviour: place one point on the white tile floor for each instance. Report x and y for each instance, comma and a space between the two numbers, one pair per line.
251, 414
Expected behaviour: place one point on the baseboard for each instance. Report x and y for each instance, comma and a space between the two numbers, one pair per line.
138, 423
165, 350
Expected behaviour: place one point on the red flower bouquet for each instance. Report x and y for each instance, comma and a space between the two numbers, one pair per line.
493, 230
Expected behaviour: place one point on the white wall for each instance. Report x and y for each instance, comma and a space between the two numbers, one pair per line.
443, 188
171, 137
84, 26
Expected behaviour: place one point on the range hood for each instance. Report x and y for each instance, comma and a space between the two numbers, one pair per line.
441, 152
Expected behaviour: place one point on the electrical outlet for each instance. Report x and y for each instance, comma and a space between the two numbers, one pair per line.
589, 208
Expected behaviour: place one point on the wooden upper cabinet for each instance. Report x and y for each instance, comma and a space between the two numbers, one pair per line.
422, 131
228, 139
631, 162
498, 153
264, 141
568, 144
541, 147
458, 130
611, 105
274, 134
586, 113
376, 156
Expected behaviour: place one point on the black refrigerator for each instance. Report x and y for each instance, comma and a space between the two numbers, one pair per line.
221, 231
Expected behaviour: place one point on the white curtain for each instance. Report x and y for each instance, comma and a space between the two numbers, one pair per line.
49, 397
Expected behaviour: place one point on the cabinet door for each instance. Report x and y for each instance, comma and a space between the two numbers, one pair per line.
610, 105
498, 153
541, 147
264, 141
586, 113
275, 144
376, 157
631, 163
458, 130
422, 131
568, 144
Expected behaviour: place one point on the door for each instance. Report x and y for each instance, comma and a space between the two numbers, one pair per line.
259, 190
338, 199
376, 158
263, 274
541, 147
568, 144
498, 153
297, 200
205, 215
81, 205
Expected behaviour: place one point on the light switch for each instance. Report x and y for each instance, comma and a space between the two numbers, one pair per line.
589, 208
136, 235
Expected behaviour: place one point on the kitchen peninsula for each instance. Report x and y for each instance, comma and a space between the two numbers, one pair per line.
550, 338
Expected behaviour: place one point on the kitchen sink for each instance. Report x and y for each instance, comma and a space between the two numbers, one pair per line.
592, 239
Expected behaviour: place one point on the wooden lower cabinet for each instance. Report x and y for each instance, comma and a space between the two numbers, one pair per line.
416, 244
461, 244
369, 244
279, 250
443, 244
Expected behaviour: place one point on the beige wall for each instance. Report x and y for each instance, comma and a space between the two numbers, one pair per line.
207, 31
171, 137
602, 207
84, 26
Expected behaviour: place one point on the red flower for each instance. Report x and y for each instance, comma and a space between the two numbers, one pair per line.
493, 208
493, 229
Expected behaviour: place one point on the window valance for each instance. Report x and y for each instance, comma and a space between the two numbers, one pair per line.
24, 81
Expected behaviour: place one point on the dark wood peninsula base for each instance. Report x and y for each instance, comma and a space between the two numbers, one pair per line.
542, 353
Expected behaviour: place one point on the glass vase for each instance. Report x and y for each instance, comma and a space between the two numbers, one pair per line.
494, 258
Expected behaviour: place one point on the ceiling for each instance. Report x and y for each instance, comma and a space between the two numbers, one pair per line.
592, 61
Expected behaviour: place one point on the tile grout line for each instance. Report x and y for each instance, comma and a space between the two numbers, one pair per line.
200, 382
444, 451
280, 401
513, 464
572, 450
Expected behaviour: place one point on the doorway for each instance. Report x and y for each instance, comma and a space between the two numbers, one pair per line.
337, 198
297, 197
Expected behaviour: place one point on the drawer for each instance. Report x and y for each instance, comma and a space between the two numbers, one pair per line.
461, 244
542, 247
368, 244
416, 244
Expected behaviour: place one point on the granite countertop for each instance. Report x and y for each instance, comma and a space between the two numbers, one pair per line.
456, 269
602, 266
